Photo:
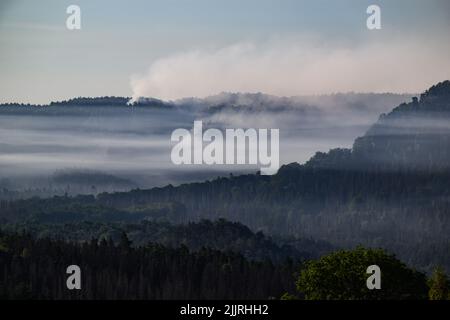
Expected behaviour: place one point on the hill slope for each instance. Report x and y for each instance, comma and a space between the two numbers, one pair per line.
414, 135
346, 197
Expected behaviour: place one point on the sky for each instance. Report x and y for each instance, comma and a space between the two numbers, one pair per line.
171, 49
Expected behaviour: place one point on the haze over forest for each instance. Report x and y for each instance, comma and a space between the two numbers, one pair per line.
107, 136
86, 174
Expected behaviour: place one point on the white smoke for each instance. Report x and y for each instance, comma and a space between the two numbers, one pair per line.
287, 68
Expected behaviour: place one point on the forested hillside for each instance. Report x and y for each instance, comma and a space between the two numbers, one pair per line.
219, 235
413, 136
36, 269
344, 197
33, 268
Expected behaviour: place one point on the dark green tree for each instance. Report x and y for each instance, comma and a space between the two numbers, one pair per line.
342, 275
125, 242
439, 285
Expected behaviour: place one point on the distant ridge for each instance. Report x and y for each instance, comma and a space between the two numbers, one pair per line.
414, 135
98, 101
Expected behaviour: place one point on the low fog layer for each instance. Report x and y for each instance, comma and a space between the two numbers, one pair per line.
133, 143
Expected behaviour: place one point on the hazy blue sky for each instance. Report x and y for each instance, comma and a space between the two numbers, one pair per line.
170, 49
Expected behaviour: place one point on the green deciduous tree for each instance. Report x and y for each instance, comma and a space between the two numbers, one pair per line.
343, 275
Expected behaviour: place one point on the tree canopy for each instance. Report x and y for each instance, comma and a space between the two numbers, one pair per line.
342, 276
